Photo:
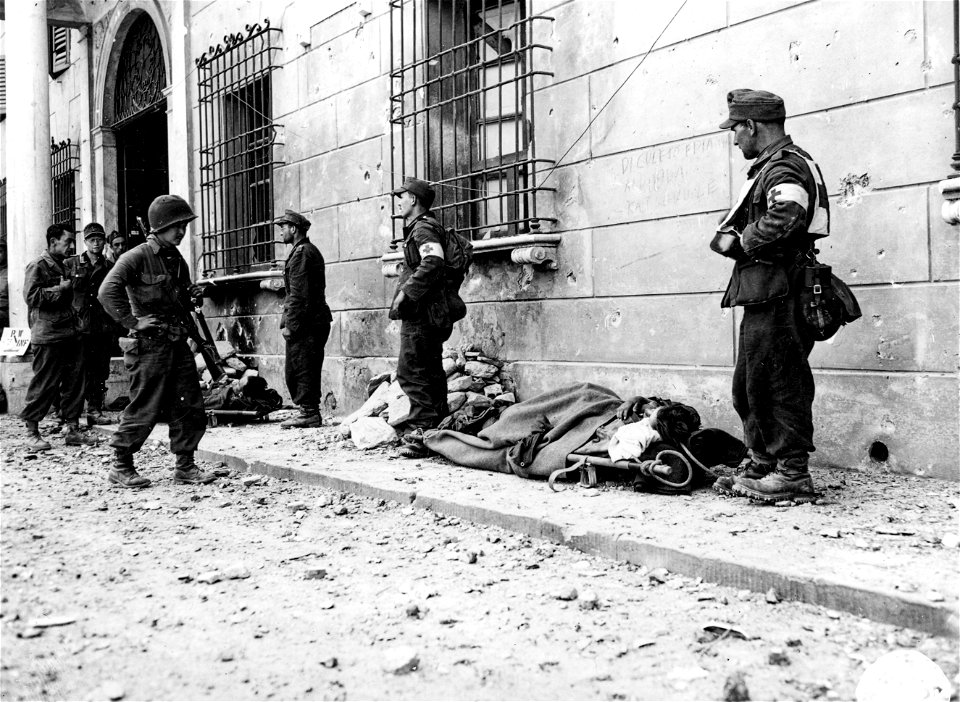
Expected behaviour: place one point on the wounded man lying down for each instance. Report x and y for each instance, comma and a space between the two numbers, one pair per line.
533, 438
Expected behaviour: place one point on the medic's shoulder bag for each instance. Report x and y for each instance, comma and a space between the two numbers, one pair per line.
827, 302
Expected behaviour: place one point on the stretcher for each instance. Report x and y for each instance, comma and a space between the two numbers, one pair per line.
215, 417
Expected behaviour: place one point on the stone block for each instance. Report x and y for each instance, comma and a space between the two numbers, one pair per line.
944, 241
355, 284
745, 10
917, 141
589, 35
369, 333
675, 330
903, 328
286, 189
325, 232
662, 181
503, 331
659, 256
338, 19
366, 227
561, 112
310, 131
364, 111
351, 173
938, 40
349, 59
309, 71
879, 238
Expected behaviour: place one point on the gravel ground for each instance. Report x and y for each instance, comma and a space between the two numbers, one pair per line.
275, 590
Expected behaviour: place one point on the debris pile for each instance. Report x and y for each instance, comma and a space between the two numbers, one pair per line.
478, 389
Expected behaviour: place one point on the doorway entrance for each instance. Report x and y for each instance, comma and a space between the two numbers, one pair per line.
140, 126
142, 172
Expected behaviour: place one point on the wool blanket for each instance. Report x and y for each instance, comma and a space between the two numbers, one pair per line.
568, 416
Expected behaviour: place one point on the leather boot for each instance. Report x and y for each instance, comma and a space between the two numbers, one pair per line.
794, 485
308, 417
73, 437
95, 417
749, 468
186, 471
35, 442
124, 474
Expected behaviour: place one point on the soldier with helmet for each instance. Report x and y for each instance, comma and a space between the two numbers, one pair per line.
148, 291
306, 319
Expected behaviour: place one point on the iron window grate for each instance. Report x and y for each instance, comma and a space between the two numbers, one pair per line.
64, 164
3, 214
462, 106
141, 75
237, 153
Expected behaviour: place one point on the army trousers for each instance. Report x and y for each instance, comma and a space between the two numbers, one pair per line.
57, 374
96, 368
420, 372
164, 386
303, 365
773, 386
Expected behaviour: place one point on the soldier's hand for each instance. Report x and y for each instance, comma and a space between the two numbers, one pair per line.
285, 332
66, 283
398, 300
147, 323
195, 291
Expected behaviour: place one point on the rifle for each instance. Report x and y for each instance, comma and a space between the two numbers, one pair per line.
193, 321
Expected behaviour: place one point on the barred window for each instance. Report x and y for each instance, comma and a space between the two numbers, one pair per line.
3, 88
59, 38
64, 164
462, 102
237, 139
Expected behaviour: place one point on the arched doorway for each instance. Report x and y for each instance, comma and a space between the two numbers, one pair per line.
140, 124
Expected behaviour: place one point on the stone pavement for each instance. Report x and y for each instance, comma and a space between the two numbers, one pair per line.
881, 546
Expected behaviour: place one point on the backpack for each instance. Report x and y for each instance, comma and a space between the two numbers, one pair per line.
457, 254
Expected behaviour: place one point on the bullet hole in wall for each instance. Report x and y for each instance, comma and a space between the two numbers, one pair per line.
879, 453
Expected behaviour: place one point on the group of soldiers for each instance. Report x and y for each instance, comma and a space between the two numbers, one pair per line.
780, 213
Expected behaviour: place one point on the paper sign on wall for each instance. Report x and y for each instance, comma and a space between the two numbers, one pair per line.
14, 341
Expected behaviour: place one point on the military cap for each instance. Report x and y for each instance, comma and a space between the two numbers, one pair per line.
94, 229
422, 189
758, 105
294, 218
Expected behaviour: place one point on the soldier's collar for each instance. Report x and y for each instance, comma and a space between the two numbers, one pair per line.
767, 154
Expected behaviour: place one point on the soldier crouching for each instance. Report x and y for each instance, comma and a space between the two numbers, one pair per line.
148, 291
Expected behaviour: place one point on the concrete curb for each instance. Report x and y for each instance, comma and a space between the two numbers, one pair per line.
891, 607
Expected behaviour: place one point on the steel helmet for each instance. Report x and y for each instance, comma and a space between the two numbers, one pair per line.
167, 210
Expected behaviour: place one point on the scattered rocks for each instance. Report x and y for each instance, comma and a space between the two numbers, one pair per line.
776, 656
341, 510
330, 662
226, 656
589, 600
735, 688
950, 540
251, 480
566, 594
414, 612
314, 573
297, 506
772, 596
113, 691
400, 660
210, 577
48, 622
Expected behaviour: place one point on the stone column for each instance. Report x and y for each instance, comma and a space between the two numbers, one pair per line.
29, 196
180, 153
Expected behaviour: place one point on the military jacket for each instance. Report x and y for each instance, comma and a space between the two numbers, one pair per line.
305, 284
49, 307
423, 279
783, 210
88, 275
149, 279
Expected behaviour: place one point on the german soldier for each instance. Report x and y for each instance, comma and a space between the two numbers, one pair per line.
96, 328
782, 210
55, 339
306, 319
148, 291
420, 305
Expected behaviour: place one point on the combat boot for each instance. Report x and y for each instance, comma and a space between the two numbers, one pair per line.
73, 437
186, 471
308, 417
748, 468
412, 445
779, 486
95, 417
124, 474
35, 442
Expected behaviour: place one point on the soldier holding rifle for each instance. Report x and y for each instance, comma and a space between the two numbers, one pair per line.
148, 291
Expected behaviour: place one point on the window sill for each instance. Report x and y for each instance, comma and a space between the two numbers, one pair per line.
539, 250
267, 280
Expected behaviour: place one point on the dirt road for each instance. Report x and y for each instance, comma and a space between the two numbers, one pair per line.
274, 590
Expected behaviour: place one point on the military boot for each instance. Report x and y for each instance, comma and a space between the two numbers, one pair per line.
748, 468
95, 417
308, 417
786, 484
412, 445
124, 474
35, 442
186, 471
73, 437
